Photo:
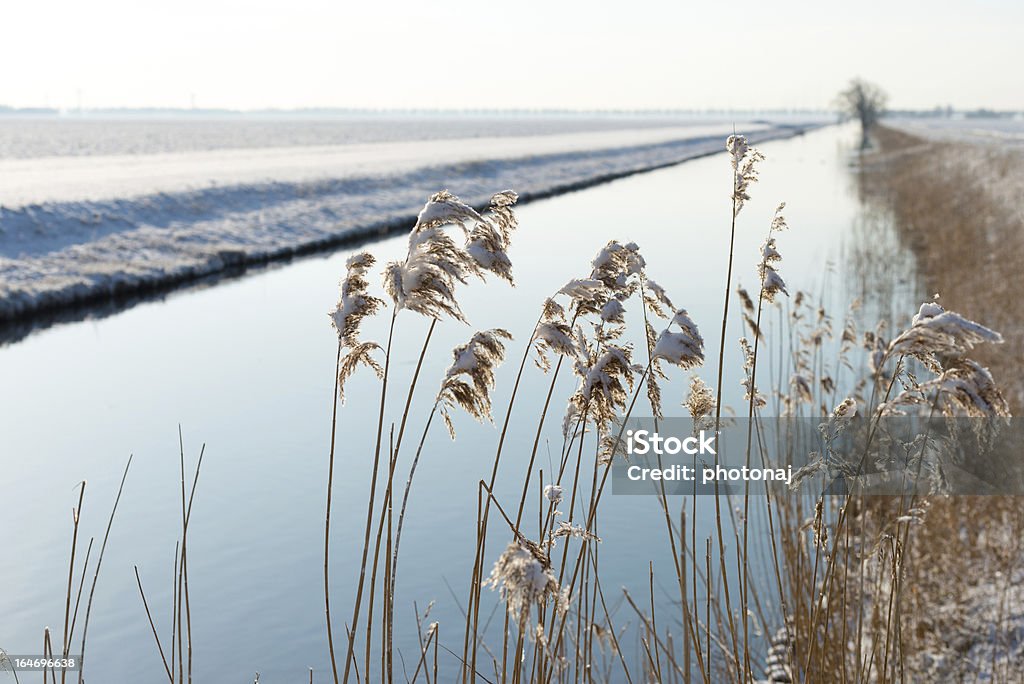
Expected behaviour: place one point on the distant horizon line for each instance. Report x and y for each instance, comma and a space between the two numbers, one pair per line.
73, 112
406, 110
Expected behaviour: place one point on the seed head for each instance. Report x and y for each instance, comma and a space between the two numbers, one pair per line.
523, 576
470, 379
936, 333
744, 164
685, 348
354, 302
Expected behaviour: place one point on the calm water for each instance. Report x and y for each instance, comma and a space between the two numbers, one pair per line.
246, 368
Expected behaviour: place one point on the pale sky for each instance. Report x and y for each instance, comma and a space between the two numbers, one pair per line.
639, 54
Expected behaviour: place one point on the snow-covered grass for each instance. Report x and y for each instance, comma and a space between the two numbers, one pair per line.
989, 130
957, 205
78, 230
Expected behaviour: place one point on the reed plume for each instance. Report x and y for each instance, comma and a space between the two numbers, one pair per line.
435, 264
469, 380
523, 576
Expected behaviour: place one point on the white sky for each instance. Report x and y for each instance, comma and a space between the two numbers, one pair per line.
526, 53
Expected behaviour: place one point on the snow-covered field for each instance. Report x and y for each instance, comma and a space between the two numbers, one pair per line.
1000, 131
86, 225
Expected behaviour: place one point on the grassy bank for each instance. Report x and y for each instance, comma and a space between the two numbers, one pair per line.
960, 208
957, 206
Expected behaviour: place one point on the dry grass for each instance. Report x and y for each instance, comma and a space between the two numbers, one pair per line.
856, 590
959, 209
852, 575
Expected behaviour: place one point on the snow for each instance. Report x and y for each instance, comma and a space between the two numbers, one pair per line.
553, 493
1002, 131
580, 288
927, 310
79, 229
612, 311
680, 349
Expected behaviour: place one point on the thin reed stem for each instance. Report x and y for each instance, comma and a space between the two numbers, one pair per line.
96, 574
369, 508
75, 517
473, 606
327, 519
149, 616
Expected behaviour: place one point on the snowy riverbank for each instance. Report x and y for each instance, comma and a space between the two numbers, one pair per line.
205, 213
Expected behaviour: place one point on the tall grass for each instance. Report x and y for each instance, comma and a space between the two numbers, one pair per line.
829, 612
809, 586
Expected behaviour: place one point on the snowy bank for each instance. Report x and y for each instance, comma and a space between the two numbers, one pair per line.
70, 251
1002, 131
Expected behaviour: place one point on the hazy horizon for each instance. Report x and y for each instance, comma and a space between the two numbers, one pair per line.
229, 54
341, 112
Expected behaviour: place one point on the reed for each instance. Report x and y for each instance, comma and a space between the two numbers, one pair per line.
842, 599
553, 606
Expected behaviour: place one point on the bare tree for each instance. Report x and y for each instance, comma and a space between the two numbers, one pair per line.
865, 102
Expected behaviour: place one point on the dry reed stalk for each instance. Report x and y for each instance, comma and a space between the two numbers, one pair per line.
592, 513
387, 656
770, 285
744, 173
81, 586
152, 626
186, 513
369, 509
327, 519
482, 520
96, 573
174, 609
75, 515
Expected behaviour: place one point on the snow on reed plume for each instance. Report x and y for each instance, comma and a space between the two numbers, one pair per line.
523, 576
426, 280
615, 264
964, 389
602, 363
771, 281
567, 529
615, 275
606, 378
657, 303
354, 304
490, 237
936, 333
553, 335
554, 494
744, 160
700, 400
941, 340
830, 430
614, 278
469, 380
685, 348
655, 298
588, 295
603, 366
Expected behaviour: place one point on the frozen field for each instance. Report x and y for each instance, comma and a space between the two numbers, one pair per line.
83, 226
87, 136
1001, 131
